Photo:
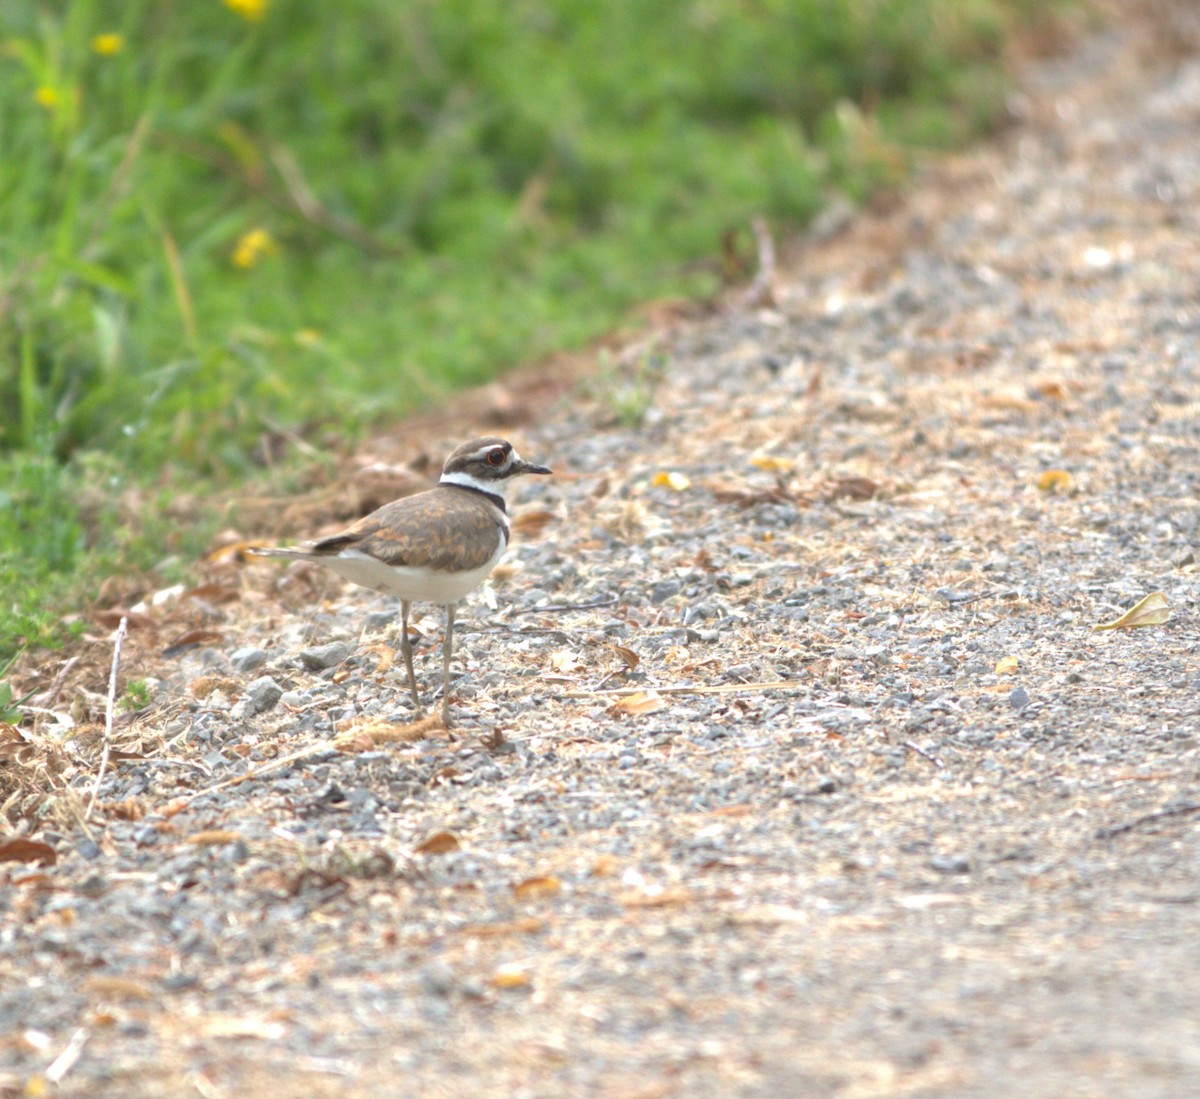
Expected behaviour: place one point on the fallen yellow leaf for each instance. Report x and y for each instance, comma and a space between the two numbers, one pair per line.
1151, 611
565, 662
1056, 480
640, 702
676, 482
772, 464
1007, 665
510, 975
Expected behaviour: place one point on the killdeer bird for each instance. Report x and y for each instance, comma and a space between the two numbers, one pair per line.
433, 547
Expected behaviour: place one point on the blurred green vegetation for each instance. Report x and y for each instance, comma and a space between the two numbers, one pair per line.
216, 216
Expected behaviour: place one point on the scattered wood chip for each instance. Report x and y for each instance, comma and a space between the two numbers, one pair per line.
1007, 665
214, 837
371, 732
532, 888
529, 925
654, 898
440, 843
114, 987
1056, 480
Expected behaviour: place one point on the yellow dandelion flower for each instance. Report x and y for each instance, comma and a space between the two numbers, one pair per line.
252, 246
250, 10
107, 44
47, 97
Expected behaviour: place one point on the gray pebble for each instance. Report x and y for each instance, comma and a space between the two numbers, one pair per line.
247, 659
324, 656
950, 864
1019, 698
663, 590
437, 978
379, 620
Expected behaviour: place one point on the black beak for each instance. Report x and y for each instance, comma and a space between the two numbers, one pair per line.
523, 466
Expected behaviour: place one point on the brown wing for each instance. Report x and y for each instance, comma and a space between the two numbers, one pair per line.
431, 530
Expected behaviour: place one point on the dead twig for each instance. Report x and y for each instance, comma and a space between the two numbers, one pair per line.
65, 1061
296, 199
262, 769
924, 754
761, 291
692, 689
556, 608
109, 707
1148, 818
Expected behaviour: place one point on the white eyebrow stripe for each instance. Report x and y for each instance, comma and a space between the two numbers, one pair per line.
482, 453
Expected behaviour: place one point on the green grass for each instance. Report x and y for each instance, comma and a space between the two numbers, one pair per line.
437, 189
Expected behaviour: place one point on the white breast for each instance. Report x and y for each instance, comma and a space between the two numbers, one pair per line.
411, 584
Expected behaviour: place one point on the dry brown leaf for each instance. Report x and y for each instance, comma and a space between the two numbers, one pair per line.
193, 637
605, 866
114, 987
1007, 665
202, 686
113, 615
1056, 480
440, 843
528, 925
213, 838
853, 488
20, 849
1007, 402
1151, 611
532, 888
531, 522
385, 654
1052, 391
631, 659
129, 809
654, 898
212, 592
640, 702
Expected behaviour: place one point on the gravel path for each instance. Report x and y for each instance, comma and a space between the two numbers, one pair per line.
922, 833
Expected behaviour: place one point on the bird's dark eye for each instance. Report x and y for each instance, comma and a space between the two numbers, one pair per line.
496, 457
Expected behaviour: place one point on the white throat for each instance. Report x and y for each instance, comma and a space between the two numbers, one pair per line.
492, 488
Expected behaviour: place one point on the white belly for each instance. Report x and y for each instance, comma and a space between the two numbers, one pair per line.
412, 585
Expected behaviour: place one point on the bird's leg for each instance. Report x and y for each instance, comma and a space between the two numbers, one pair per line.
447, 651
406, 651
